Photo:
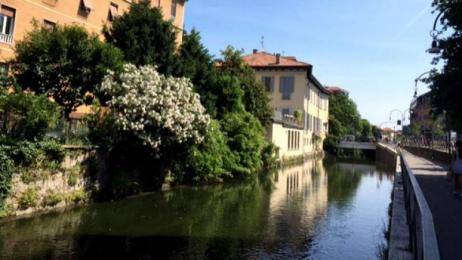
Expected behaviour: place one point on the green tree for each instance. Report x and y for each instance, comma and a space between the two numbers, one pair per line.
255, 99
27, 116
366, 128
344, 119
65, 63
447, 86
145, 37
196, 63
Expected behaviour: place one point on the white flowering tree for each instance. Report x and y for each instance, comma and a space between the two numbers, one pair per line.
159, 110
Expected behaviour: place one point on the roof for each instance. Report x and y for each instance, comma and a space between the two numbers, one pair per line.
262, 59
265, 60
336, 90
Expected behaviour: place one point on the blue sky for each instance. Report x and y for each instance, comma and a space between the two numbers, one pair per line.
373, 48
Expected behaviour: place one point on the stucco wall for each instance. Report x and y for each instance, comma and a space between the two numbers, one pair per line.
67, 12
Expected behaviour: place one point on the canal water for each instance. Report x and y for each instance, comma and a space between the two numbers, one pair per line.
318, 210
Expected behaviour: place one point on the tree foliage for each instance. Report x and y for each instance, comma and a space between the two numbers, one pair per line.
255, 99
344, 119
27, 116
145, 37
65, 63
159, 110
446, 86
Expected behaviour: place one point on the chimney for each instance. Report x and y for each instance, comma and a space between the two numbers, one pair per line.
255, 51
278, 58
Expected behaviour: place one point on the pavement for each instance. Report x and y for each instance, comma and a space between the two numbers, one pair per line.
446, 209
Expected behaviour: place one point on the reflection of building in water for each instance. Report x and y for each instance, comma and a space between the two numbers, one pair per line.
297, 203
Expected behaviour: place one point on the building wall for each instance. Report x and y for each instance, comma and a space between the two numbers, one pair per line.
288, 140
317, 119
67, 12
306, 98
296, 100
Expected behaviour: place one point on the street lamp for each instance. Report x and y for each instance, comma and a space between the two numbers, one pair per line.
402, 116
418, 79
435, 49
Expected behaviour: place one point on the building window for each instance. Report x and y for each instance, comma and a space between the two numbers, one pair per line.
113, 12
268, 82
173, 10
288, 140
85, 7
7, 16
49, 24
286, 87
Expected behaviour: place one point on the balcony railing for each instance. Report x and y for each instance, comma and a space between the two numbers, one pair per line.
6, 38
287, 119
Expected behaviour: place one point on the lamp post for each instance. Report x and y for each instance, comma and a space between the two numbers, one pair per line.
416, 80
435, 48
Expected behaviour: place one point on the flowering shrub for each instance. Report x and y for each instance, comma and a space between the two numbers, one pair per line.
157, 109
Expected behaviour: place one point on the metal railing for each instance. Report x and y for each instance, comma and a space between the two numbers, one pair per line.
423, 240
287, 119
6, 38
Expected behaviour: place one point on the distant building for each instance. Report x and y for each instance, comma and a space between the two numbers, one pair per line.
300, 103
336, 90
388, 134
421, 116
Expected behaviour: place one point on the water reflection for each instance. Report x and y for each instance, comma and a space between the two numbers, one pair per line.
315, 210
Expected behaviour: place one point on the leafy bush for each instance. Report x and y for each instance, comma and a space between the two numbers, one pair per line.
159, 110
73, 176
28, 199
78, 196
25, 153
65, 63
27, 116
245, 140
53, 150
6, 172
268, 154
52, 198
209, 161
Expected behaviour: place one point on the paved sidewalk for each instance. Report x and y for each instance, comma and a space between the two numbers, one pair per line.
446, 209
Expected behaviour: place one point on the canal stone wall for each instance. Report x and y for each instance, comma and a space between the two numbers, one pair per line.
386, 156
40, 189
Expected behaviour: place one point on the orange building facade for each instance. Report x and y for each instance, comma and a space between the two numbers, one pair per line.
17, 17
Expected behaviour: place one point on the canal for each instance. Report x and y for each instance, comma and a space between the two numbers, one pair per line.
318, 210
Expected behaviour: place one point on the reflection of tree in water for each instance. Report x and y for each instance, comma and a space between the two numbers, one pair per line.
343, 181
183, 223
46, 236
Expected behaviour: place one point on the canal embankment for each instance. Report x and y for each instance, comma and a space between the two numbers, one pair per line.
43, 188
445, 207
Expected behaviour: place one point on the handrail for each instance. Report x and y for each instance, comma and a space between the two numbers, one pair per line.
423, 236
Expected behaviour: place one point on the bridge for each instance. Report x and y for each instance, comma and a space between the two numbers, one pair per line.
356, 145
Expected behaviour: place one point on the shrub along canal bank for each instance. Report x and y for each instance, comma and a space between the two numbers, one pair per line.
319, 209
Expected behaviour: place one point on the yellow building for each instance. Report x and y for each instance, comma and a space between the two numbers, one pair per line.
300, 103
16, 17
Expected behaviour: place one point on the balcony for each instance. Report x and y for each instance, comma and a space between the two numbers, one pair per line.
6, 38
288, 120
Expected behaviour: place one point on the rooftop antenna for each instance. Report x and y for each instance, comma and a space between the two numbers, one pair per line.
262, 42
